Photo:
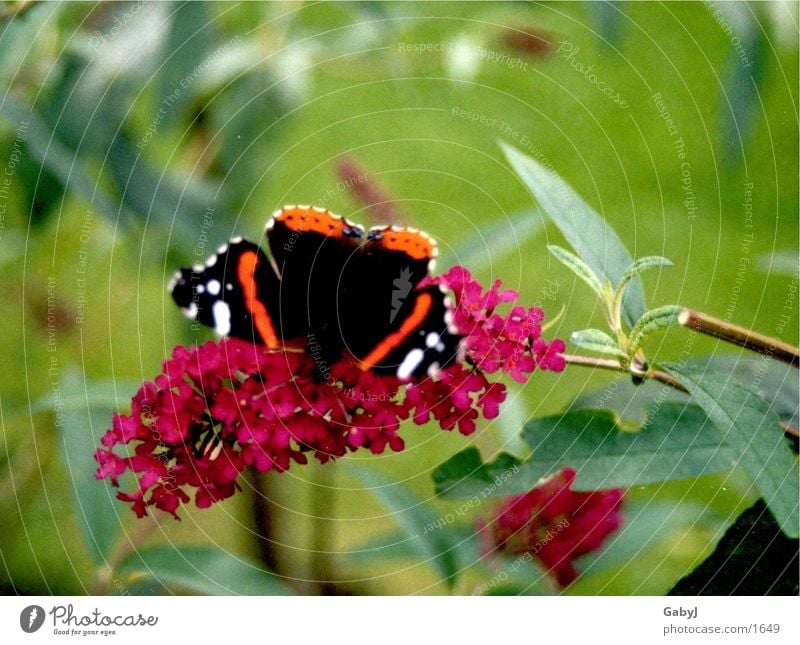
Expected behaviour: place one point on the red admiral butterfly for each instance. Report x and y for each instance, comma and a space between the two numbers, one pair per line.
331, 287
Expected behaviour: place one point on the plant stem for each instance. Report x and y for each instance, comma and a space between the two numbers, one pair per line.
105, 574
656, 375
741, 336
616, 366
322, 510
262, 519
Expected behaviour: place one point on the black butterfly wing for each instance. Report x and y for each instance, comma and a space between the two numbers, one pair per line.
235, 292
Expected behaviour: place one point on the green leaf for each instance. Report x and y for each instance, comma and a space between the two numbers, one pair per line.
487, 244
396, 545
465, 475
596, 340
678, 442
253, 107
85, 411
59, 159
747, 425
641, 556
146, 192
753, 558
202, 570
638, 267
188, 46
578, 267
652, 322
586, 231
416, 521
777, 384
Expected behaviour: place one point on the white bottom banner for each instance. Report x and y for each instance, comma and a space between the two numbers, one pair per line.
373, 620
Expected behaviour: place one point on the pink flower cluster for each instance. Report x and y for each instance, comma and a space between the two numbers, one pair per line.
510, 343
221, 407
555, 524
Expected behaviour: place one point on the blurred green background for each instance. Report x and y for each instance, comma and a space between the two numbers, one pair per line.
135, 138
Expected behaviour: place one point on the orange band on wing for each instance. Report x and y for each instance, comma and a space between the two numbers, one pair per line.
302, 219
382, 349
412, 242
246, 274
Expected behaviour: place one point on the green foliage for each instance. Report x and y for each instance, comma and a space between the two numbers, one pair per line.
634, 270
596, 340
776, 383
625, 346
419, 524
650, 323
87, 409
578, 267
750, 429
284, 96
199, 569
466, 475
53, 155
595, 241
676, 442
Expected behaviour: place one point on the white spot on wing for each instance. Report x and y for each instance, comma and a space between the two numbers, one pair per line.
191, 310
211, 261
199, 289
222, 318
431, 339
173, 282
410, 363
213, 286
433, 370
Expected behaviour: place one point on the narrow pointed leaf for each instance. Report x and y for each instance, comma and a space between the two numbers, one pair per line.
578, 267
596, 340
586, 231
652, 322
638, 267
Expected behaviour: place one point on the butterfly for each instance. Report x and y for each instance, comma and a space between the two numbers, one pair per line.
332, 287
